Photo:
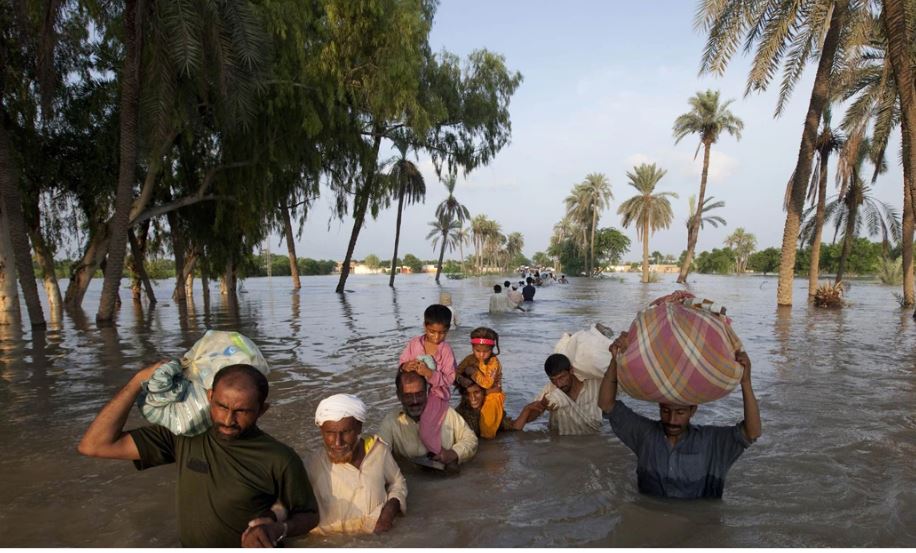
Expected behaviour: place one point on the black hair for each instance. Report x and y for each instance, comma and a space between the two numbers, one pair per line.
399, 379
507, 284
497, 288
529, 280
254, 376
556, 363
488, 333
438, 314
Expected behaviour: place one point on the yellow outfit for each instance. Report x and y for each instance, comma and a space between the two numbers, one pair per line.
489, 377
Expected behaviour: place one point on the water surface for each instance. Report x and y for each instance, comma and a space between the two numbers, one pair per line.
834, 467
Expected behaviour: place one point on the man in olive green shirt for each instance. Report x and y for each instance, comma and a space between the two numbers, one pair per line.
227, 476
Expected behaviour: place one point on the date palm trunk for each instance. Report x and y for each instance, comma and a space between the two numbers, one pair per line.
814, 270
645, 251
818, 101
441, 256
693, 231
397, 237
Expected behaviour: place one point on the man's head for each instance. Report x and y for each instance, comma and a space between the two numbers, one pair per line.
507, 284
340, 419
497, 288
412, 391
675, 418
237, 399
558, 367
529, 280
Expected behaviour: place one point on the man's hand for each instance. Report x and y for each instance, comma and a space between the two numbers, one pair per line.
745, 361
146, 373
262, 532
386, 518
446, 456
620, 344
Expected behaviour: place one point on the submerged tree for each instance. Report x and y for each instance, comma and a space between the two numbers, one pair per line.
708, 119
650, 211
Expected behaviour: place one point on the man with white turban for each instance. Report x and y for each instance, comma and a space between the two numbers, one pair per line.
357, 483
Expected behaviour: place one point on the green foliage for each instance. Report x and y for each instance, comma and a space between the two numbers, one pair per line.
372, 261
309, 266
890, 271
766, 261
412, 261
718, 261
451, 266
610, 246
541, 259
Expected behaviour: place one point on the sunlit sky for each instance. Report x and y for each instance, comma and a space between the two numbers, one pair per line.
603, 84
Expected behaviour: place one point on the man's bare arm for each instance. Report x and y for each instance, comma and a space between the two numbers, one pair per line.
607, 394
752, 427
105, 437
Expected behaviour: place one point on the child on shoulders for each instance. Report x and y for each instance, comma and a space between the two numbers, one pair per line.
482, 367
431, 357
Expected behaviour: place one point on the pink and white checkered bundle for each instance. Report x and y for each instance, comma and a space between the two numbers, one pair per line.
680, 351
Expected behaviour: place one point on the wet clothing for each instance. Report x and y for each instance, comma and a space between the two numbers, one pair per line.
695, 467
440, 389
223, 484
568, 416
489, 377
499, 303
351, 499
402, 432
528, 292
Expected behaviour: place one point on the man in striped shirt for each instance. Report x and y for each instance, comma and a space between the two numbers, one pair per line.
571, 400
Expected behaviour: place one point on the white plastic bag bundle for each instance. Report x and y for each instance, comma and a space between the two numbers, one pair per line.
218, 349
587, 350
176, 395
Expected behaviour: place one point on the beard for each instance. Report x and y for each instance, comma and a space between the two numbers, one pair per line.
340, 458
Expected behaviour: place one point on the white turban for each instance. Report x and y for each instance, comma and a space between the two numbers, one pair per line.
339, 407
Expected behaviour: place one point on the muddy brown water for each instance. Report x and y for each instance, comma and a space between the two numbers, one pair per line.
836, 465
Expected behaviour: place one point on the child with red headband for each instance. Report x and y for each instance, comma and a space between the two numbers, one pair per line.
482, 367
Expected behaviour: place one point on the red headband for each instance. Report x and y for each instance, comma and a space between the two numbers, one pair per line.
483, 341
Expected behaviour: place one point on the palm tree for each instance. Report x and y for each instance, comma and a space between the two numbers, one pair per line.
828, 142
708, 119
515, 242
870, 79
463, 236
411, 188
897, 22
478, 233
788, 36
584, 205
855, 205
446, 229
708, 205
450, 209
649, 211
743, 244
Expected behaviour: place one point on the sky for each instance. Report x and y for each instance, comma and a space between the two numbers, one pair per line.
603, 84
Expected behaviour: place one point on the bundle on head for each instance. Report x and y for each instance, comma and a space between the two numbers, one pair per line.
681, 350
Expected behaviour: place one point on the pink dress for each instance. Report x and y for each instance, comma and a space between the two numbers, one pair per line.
440, 389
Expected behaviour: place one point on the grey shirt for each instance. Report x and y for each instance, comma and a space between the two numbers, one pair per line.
694, 467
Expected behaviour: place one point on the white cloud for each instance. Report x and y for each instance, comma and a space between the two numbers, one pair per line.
721, 165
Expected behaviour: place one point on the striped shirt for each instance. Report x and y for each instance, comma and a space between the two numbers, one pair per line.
570, 417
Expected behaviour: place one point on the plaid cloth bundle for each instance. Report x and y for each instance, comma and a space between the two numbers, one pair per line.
680, 351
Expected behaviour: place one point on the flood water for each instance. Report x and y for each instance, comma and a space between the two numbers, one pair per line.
836, 465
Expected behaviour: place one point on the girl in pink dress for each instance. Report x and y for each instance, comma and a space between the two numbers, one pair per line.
421, 354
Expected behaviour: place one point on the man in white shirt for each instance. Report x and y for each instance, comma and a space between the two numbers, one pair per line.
357, 483
400, 427
571, 400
